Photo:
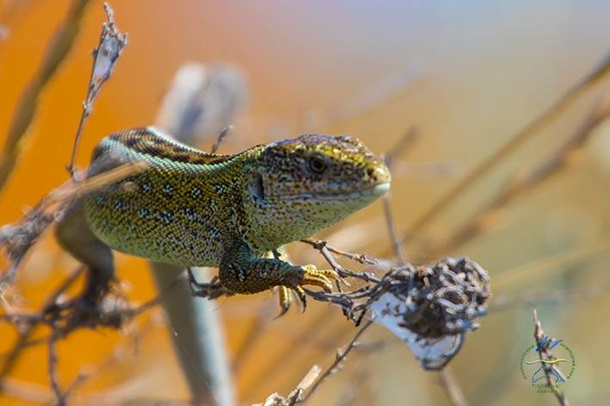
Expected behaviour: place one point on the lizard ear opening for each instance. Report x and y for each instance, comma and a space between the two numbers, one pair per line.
258, 189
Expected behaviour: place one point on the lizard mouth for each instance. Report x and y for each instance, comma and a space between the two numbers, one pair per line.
372, 191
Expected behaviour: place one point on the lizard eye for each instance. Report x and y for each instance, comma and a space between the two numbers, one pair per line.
317, 164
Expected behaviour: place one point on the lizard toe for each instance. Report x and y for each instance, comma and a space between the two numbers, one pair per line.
319, 277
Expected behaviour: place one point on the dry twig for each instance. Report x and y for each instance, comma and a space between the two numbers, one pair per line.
543, 349
520, 185
594, 77
339, 358
18, 238
59, 47
105, 57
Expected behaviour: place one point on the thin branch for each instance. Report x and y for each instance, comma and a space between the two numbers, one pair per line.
325, 250
57, 51
520, 185
283, 360
61, 400
539, 269
220, 138
18, 238
296, 396
360, 258
397, 247
544, 355
200, 99
594, 77
509, 302
452, 387
253, 336
105, 57
403, 143
336, 365
24, 334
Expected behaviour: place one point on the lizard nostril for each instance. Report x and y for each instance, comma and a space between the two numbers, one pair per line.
371, 174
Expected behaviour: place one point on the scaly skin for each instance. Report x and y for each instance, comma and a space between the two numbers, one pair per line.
191, 208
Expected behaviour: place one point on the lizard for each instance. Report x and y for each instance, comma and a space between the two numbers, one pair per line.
192, 208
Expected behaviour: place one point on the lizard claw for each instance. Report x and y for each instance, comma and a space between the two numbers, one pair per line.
211, 290
319, 277
286, 299
311, 276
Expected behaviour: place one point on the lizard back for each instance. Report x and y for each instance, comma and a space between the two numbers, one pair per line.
174, 211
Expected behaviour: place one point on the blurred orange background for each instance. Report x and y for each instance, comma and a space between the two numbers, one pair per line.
468, 75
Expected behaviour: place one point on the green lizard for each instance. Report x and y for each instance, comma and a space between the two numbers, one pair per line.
192, 208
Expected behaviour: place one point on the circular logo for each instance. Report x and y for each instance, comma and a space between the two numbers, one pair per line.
547, 365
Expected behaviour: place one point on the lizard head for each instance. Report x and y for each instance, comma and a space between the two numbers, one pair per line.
303, 185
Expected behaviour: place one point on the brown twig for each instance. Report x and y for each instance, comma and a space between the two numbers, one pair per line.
25, 333
220, 138
396, 245
112, 359
324, 249
569, 97
520, 185
61, 400
507, 302
59, 47
555, 265
452, 387
295, 396
18, 238
336, 364
253, 336
105, 57
283, 360
544, 355
360, 258
403, 143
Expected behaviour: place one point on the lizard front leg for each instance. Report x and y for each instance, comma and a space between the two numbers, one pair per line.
242, 272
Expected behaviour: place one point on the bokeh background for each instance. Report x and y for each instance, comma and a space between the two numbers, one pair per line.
468, 75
